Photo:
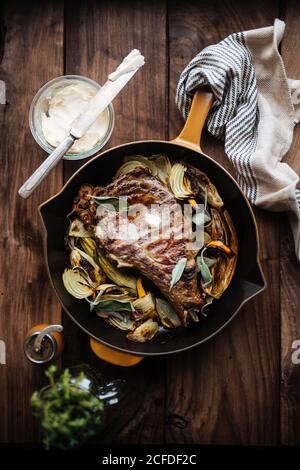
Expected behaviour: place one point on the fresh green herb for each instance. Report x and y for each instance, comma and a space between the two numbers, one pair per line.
68, 414
114, 306
204, 265
205, 272
110, 203
178, 271
201, 218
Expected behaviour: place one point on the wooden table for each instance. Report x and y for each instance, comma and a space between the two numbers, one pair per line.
239, 388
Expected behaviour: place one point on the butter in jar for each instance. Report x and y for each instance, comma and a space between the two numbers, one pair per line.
65, 105
54, 108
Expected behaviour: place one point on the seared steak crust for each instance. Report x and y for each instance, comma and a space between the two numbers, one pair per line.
155, 259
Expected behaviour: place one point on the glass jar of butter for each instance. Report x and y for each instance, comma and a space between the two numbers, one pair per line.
54, 107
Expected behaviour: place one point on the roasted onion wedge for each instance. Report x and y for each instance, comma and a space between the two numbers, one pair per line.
75, 284
144, 332
163, 167
117, 275
179, 183
144, 307
81, 259
121, 321
202, 186
144, 161
128, 166
167, 314
124, 324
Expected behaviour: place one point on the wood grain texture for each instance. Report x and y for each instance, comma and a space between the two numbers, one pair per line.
229, 390
98, 36
226, 391
31, 54
290, 267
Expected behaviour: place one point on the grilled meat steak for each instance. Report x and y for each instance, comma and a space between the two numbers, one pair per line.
155, 258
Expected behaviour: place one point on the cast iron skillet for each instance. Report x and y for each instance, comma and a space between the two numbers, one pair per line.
248, 280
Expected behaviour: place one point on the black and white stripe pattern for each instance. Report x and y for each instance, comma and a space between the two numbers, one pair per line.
226, 67
298, 196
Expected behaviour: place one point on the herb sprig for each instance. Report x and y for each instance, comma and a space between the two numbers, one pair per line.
68, 414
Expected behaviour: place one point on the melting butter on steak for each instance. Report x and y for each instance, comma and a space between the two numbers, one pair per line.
156, 258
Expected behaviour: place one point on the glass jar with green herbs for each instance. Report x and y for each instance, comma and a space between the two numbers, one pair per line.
71, 408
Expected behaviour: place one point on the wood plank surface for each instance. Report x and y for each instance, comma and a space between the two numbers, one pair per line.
290, 267
226, 391
31, 54
97, 36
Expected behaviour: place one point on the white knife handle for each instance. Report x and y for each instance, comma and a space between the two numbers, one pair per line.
42, 171
117, 80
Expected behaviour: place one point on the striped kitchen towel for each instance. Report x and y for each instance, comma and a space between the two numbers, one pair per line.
255, 110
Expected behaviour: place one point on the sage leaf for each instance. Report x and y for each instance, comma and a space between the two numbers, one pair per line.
204, 264
115, 306
205, 271
178, 271
111, 203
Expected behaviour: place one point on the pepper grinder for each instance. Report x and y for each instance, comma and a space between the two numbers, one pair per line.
44, 343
